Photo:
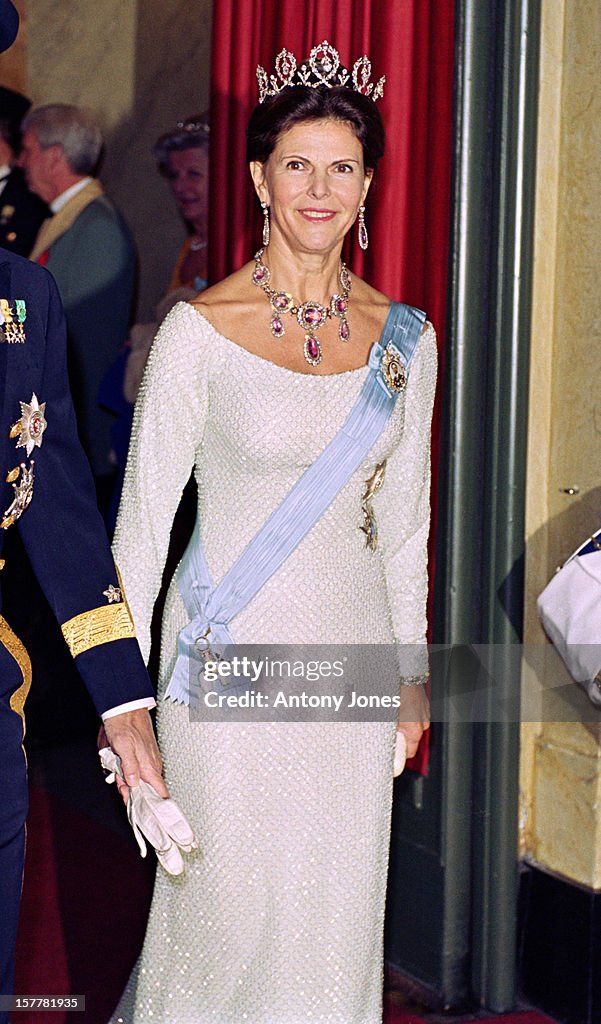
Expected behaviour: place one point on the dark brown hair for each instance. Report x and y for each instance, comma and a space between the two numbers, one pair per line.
298, 103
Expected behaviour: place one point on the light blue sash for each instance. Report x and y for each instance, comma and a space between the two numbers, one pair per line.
211, 608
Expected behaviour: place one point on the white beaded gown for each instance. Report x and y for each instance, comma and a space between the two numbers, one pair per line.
278, 918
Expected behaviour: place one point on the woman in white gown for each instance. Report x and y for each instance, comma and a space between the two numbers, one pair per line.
278, 918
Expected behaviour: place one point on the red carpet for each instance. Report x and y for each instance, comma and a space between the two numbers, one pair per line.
395, 1015
41, 956
85, 897
527, 1017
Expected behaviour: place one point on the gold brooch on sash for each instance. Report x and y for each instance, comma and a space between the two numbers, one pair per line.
370, 526
31, 426
13, 314
393, 370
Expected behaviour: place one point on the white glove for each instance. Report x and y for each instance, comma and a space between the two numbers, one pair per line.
155, 817
400, 754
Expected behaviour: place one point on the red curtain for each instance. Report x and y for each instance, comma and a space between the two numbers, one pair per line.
407, 215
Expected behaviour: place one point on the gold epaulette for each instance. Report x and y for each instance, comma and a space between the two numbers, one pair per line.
98, 626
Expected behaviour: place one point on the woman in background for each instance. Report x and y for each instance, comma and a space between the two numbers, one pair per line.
182, 156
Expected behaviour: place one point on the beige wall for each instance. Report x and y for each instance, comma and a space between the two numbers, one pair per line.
141, 65
12, 62
561, 762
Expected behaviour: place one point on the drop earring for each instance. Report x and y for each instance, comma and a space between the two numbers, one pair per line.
362, 230
265, 209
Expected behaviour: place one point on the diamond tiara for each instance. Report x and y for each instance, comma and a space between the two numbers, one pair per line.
194, 124
323, 67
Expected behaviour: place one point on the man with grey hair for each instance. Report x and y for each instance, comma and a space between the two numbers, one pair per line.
87, 248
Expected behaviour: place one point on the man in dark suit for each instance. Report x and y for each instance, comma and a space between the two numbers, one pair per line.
21, 211
47, 494
88, 250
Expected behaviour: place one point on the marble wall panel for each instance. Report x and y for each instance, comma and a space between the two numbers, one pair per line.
567, 826
541, 379
12, 61
543, 300
172, 66
141, 65
80, 51
561, 796
575, 438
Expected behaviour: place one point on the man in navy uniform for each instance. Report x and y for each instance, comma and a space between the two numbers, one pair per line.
47, 494
21, 212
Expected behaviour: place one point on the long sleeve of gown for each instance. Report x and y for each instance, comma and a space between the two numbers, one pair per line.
403, 511
168, 426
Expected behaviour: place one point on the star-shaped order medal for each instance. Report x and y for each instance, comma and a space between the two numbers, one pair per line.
112, 594
31, 426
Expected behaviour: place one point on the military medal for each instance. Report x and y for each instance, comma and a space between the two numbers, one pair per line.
23, 493
11, 321
31, 426
28, 431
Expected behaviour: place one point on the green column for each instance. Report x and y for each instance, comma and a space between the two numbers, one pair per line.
497, 744
481, 517
459, 531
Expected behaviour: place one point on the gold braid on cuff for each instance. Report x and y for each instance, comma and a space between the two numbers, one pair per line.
98, 626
